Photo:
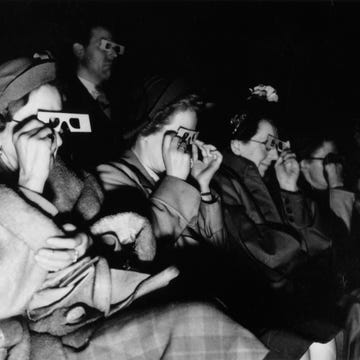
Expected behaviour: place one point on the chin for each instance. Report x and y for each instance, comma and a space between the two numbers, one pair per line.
262, 170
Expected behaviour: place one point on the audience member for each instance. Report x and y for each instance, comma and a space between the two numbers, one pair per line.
95, 54
279, 241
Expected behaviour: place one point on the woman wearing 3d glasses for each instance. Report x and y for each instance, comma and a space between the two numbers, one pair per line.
277, 239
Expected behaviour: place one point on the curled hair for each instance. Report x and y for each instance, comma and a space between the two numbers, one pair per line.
245, 125
162, 117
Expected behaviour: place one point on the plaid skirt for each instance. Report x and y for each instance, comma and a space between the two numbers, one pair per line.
181, 331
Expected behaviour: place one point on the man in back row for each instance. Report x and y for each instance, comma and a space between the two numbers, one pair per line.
94, 54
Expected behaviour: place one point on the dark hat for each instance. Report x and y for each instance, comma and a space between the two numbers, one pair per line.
152, 96
20, 76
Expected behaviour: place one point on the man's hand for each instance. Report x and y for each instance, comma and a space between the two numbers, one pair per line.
203, 170
176, 160
287, 171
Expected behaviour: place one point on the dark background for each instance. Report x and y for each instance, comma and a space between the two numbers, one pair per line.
307, 50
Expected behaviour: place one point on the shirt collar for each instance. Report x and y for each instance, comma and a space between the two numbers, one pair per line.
90, 87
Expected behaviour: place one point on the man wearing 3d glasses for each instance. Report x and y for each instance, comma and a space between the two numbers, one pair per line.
95, 53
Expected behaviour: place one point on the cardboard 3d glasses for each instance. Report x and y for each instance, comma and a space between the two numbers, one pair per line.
108, 45
273, 142
66, 121
188, 136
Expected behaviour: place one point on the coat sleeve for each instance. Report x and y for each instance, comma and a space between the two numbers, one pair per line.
25, 225
210, 221
172, 207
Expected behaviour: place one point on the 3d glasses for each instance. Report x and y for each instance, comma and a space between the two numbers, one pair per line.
108, 45
187, 136
66, 121
272, 142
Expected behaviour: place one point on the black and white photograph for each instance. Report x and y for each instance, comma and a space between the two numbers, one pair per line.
179, 180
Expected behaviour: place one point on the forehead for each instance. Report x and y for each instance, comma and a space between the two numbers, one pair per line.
325, 148
99, 33
185, 118
265, 129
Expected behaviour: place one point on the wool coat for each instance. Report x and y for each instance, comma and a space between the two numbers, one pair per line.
174, 206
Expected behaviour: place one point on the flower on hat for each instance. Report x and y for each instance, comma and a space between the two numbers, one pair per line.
265, 91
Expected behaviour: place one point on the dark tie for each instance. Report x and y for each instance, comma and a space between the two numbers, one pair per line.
104, 104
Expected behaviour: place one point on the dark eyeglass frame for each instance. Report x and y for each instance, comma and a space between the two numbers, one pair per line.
108, 45
272, 142
328, 159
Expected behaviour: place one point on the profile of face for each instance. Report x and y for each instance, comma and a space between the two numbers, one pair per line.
95, 62
313, 169
154, 158
255, 151
46, 97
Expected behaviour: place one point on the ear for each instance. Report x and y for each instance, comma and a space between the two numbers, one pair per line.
78, 50
235, 146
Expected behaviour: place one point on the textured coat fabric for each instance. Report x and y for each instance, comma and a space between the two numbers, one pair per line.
177, 214
283, 249
183, 331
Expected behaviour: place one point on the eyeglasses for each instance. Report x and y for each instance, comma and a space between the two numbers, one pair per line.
273, 143
330, 158
108, 45
73, 122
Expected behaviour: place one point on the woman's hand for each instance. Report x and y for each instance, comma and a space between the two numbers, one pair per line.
62, 251
203, 170
287, 171
334, 174
35, 144
176, 160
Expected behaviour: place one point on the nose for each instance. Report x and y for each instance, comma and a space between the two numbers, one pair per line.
112, 54
273, 154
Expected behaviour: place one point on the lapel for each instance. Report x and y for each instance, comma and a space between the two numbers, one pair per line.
80, 100
258, 198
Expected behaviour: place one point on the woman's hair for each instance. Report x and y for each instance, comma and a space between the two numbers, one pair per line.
163, 117
306, 146
245, 125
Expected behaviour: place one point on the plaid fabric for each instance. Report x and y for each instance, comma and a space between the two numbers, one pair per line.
191, 331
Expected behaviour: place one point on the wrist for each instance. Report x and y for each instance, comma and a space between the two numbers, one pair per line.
32, 184
174, 174
338, 184
204, 188
289, 187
